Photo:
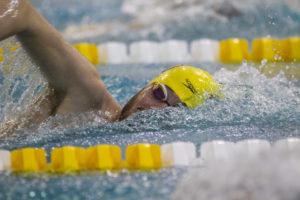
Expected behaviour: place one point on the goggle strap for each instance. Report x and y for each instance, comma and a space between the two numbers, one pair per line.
165, 91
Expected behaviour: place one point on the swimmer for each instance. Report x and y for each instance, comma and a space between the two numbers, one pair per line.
74, 85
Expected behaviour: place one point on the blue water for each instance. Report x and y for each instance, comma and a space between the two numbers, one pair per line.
255, 106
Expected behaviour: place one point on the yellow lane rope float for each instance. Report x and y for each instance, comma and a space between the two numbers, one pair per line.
233, 50
71, 159
1, 55
88, 50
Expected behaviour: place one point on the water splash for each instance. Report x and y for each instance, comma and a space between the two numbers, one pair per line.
269, 175
20, 80
254, 106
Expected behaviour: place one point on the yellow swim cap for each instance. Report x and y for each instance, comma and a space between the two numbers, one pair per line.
192, 85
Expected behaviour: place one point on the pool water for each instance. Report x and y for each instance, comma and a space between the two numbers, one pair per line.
256, 105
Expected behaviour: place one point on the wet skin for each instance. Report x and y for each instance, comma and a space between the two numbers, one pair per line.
74, 85
145, 99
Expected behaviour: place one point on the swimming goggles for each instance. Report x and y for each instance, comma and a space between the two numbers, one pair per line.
160, 92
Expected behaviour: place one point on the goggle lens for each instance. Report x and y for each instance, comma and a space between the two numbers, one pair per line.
160, 92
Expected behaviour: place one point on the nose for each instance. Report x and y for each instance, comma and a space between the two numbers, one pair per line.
143, 101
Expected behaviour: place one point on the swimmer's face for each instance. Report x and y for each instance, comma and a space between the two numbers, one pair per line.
146, 99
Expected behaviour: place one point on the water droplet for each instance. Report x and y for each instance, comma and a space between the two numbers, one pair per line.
32, 194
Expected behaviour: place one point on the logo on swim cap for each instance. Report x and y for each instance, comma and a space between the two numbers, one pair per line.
192, 85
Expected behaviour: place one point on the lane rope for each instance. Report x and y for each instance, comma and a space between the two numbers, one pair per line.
138, 157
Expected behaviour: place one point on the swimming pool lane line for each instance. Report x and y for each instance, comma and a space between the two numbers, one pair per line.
227, 51
138, 157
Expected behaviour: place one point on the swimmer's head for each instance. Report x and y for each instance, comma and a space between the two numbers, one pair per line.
183, 84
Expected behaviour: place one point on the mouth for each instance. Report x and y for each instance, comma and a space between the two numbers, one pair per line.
124, 114
129, 109
140, 109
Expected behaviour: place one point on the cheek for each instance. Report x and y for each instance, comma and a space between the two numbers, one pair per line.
152, 102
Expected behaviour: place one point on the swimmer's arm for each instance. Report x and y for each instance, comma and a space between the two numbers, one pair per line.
59, 62
70, 74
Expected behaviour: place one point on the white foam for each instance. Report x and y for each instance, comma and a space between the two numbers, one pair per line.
144, 52
174, 51
205, 50
178, 154
113, 53
4, 160
268, 175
